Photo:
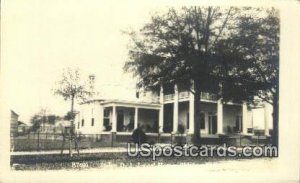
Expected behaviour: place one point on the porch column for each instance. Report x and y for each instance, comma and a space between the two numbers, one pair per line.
244, 118
136, 118
114, 119
220, 117
191, 112
175, 109
161, 110
266, 115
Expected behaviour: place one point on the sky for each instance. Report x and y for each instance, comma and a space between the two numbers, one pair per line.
40, 38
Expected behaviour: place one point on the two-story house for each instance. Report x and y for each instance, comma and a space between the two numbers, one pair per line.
163, 112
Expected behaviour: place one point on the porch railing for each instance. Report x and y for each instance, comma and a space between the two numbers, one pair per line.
186, 95
208, 96
155, 99
169, 97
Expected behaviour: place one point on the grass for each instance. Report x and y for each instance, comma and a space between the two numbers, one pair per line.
102, 160
48, 144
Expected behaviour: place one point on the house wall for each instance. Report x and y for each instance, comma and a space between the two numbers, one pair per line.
229, 114
149, 96
14, 124
88, 111
259, 117
149, 117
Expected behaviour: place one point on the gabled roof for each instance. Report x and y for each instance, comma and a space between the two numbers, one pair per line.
91, 101
14, 113
131, 103
21, 123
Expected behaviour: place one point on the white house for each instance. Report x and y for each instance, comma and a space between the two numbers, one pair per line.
162, 113
14, 123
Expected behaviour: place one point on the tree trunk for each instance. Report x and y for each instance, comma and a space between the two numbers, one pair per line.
275, 133
71, 127
197, 135
72, 104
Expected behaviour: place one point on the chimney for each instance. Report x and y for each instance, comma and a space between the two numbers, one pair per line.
92, 77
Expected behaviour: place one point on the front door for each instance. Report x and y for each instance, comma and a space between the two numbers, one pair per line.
212, 124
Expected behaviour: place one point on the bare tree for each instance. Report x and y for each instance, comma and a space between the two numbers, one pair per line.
72, 87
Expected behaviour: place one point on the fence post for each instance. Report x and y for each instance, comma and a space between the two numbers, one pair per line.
63, 143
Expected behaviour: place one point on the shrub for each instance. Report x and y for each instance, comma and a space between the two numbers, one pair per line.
148, 128
229, 130
130, 126
258, 132
180, 130
271, 132
250, 130
155, 127
107, 127
139, 136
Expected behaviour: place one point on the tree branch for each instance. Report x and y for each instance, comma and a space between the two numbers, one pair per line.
221, 28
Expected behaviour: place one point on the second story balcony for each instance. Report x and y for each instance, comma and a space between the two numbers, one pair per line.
185, 96
208, 96
168, 98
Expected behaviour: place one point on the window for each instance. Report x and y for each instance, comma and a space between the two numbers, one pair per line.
202, 121
187, 120
82, 122
130, 126
78, 125
106, 113
212, 124
106, 120
238, 123
106, 117
93, 121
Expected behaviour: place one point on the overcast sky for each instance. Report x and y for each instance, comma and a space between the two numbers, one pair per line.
40, 38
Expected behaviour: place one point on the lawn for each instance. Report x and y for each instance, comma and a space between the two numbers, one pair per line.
103, 160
